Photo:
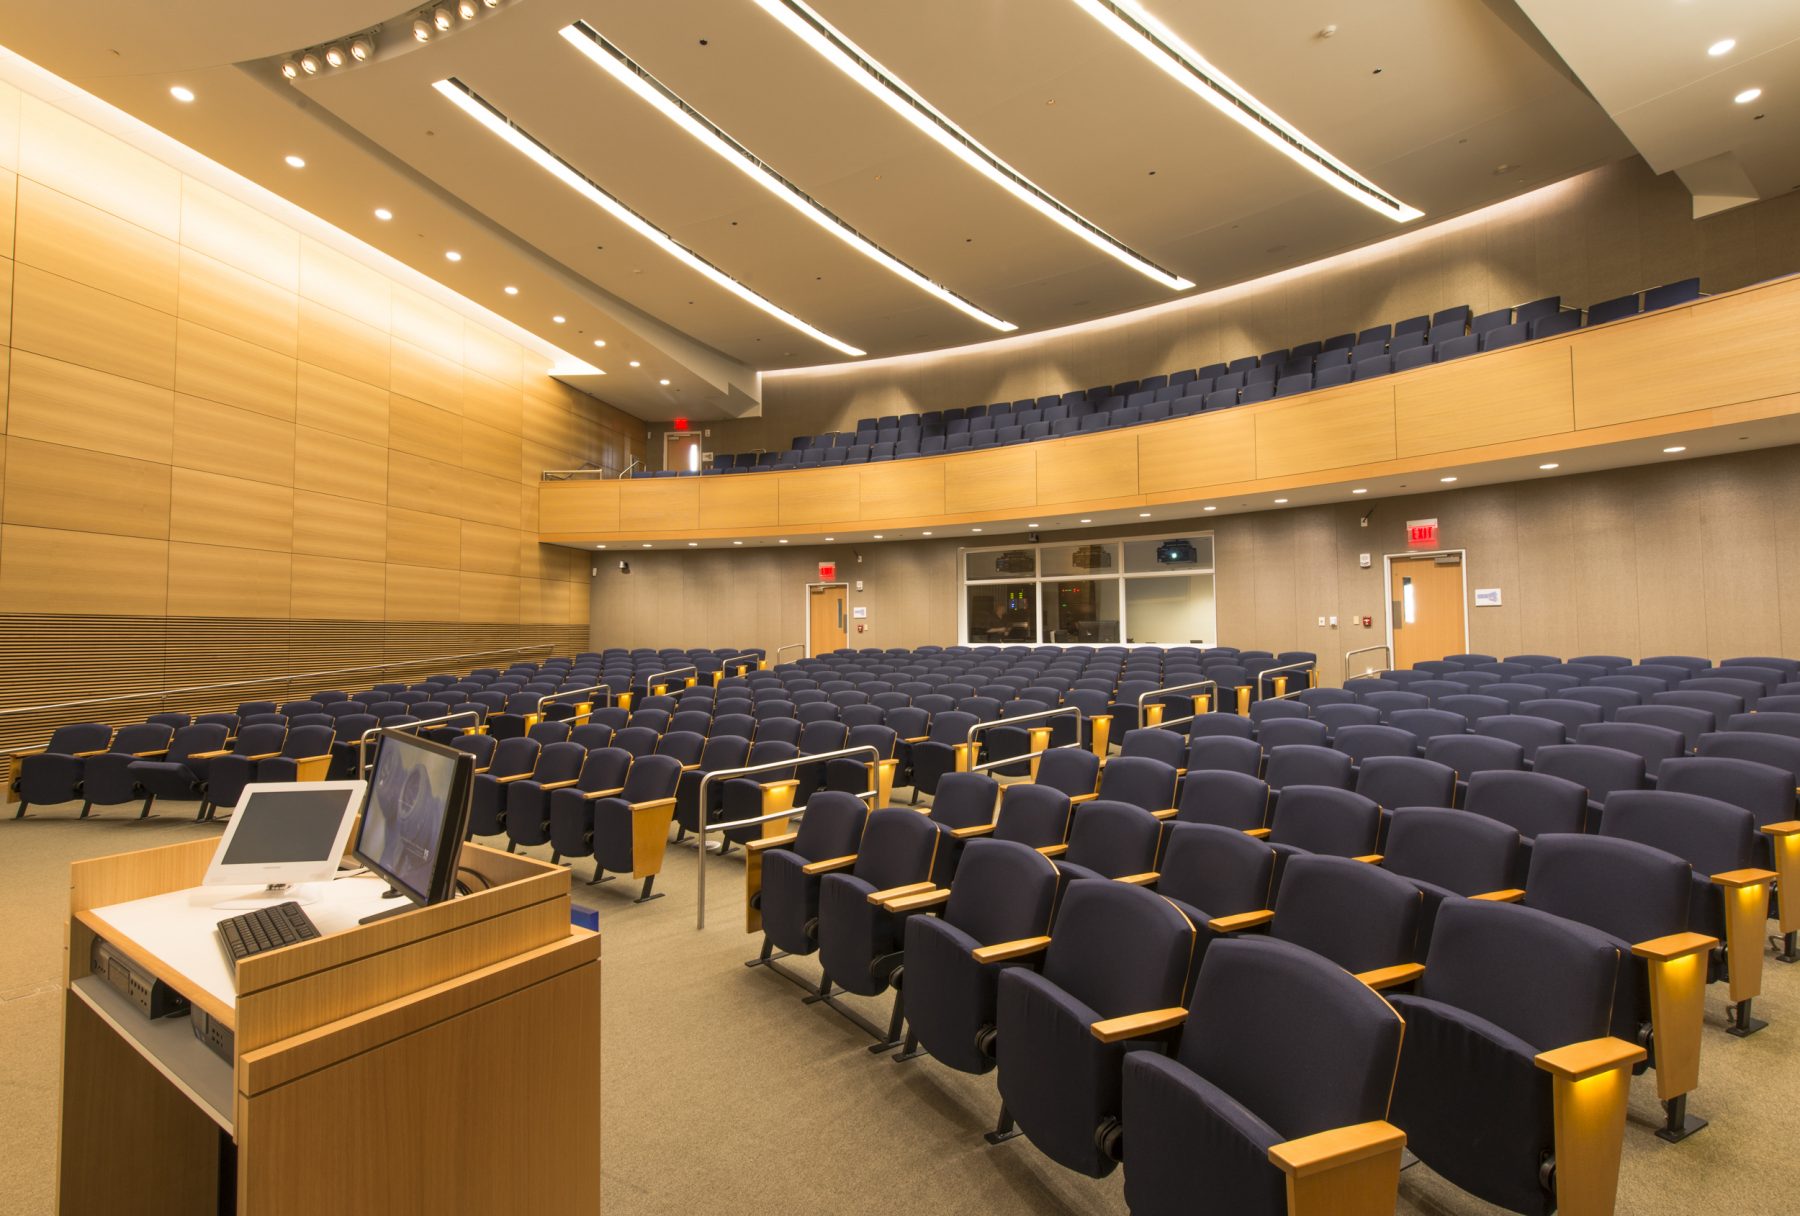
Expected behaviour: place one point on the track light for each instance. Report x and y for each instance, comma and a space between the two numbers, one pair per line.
466, 9
473, 105
334, 55
443, 18
309, 63
422, 30
290, 68
362, 50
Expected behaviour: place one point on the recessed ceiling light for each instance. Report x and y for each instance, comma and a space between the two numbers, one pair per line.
831, 538
599, 546
599, 341
1087, 521
559, 318
1723, 46
1143, 515
295, 162
1551, 465
470, 103
693, 544
1209, 508
1677, 448
974, 529
856, 63
1446, 480
1359, 490
877, 536
1747, 96
1141, 31
615, 63
1279, 501
782, 541
737, 542
510, 290
634, 363
646, 544
452, 255
181, 92
1034, 525
664, 383
383, 214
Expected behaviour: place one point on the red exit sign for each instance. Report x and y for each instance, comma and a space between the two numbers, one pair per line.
1421, 531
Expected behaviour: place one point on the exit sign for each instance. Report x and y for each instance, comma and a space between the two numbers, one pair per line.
827, 571
1421, 531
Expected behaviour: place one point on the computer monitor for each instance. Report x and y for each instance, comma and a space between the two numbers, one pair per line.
283, 834
415, 817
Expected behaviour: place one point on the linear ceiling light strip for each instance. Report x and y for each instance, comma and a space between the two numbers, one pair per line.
483, 112
622, 68
1156, 42
891, 91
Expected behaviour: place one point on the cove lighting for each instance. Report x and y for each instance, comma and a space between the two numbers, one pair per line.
1135, 26
891, 91
620, 66
470, 103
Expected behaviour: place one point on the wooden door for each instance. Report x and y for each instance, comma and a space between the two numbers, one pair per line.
1425, 606
681, 450
825, 614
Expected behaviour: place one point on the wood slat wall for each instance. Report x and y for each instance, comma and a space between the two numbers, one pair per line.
228, 451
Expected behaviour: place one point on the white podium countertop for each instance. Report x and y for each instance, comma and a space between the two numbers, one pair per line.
179, 927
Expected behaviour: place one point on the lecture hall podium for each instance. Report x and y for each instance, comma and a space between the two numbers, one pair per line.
446, 1060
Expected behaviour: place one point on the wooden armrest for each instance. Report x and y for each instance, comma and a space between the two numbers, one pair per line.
1674, 946
1151, 1021
1389, 977
974, 829
784, 784
653, 804
315, 759
1337, 1147
590, 795
1053, 850
917, 739
559, 785
771, 842
1139, 880
1257, 833
1168, 813
1743, 878
916, 902
161, 751
263, 756
829, 864
1001, 952
1241, 920
1373, 859
223, 751
1074, 798
35, 751
1787, 827
1507, 895
911, 888
1589, 1058
689, 768
512, 777
101, 751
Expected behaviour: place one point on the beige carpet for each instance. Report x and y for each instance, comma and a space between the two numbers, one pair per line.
723, 1093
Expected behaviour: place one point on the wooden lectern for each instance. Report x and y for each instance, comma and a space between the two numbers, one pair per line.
444, 1060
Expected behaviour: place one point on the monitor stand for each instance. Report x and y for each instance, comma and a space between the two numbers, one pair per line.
274, 893
390, 893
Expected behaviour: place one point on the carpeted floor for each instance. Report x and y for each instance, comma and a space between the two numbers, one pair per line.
722, 1092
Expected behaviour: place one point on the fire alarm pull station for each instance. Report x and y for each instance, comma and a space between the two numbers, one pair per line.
1368, 621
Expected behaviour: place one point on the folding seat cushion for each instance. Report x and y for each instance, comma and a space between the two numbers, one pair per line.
1360, 741
1502, 985
859, 938
1225, 798
1396, 781
53, 773
1210, 1121
180, 771
1116, 950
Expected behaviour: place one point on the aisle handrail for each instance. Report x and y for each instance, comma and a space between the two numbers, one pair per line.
547, 698
775, 659
1350, 654
1271, 672
770, 766
1163, 692
725, 663
1034, 716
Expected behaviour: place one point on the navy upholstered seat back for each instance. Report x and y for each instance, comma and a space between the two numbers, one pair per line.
1359, 916
1118, 948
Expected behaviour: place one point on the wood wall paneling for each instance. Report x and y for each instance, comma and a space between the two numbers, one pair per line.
996, 480
1528, 394
1218, 450
82, 407
1330, 430
332, 464
662, 505
72, 322
218, 438
58, 570
114, 495
211, 509
68, 238
238, 235
339, 342
1096, 468
64, 153
228, 581
230, 301
906, 490
731, 503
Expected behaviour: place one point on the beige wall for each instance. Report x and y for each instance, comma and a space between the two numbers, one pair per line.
1699, 556
230, 451
1614, 230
